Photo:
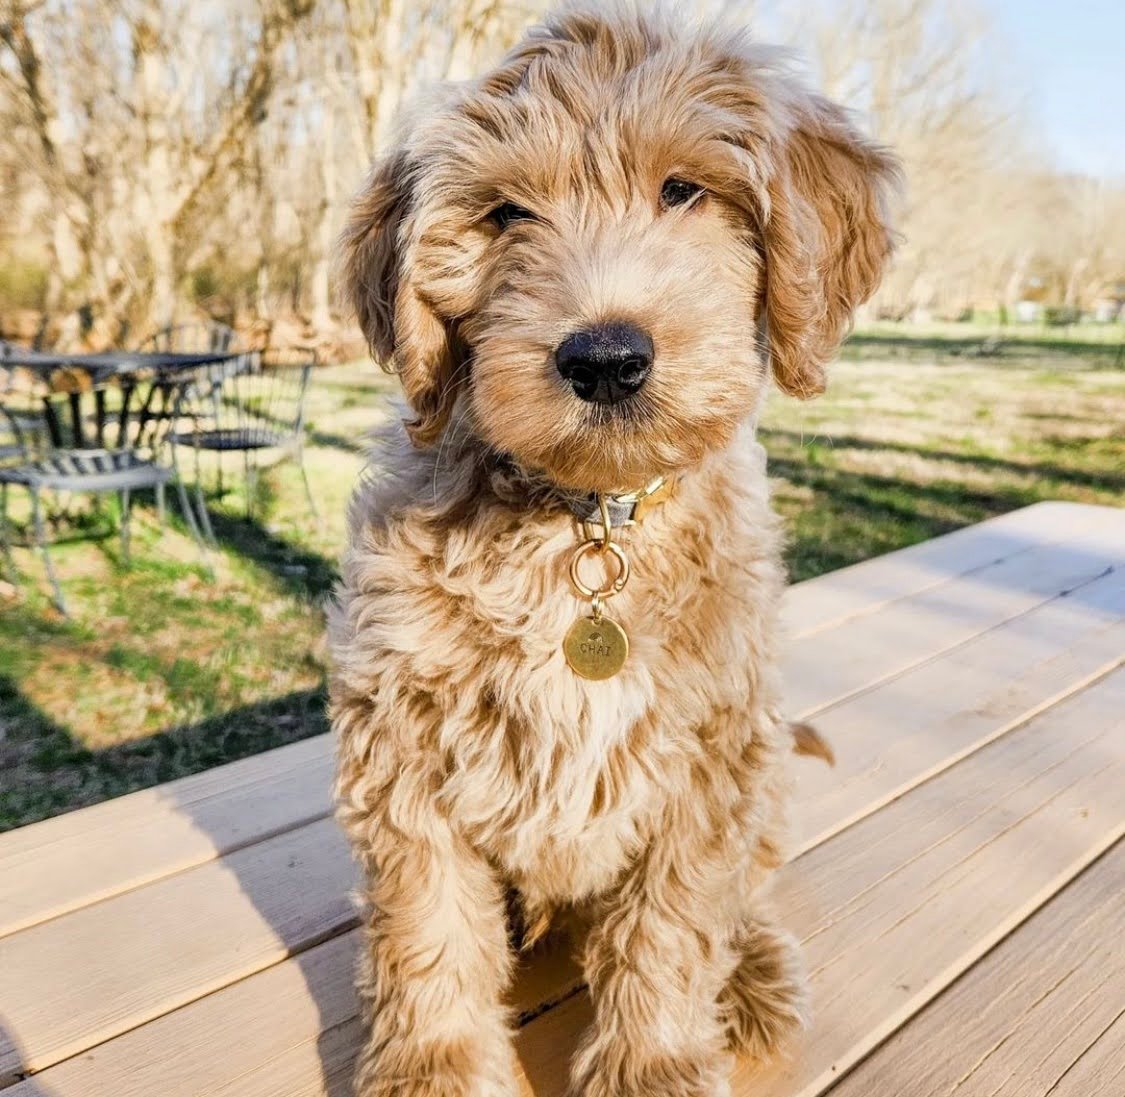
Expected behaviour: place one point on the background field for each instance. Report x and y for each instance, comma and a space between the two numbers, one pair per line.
163, 671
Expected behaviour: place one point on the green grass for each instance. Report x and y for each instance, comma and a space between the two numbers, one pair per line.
164, 671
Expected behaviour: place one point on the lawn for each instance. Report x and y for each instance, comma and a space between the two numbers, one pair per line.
163, 670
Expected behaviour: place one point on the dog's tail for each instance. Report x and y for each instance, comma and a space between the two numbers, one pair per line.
809, 742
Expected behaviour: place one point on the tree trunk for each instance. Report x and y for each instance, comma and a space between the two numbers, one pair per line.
161, 311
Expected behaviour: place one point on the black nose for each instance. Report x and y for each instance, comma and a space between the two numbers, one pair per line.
605, 364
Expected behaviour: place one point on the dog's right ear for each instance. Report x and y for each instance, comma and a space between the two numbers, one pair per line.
827, 238
379, 275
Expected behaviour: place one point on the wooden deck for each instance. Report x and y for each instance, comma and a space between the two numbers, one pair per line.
958, 885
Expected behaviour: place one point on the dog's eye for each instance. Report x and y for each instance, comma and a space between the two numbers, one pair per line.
507, 212
678, 192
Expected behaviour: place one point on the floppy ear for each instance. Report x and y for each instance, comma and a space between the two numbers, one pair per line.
827, 239
379, 273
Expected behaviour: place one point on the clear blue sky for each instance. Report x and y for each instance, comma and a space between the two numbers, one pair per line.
1069, 57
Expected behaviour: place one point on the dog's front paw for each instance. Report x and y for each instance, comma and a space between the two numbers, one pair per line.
765, 1003
405, 1068
616, 1071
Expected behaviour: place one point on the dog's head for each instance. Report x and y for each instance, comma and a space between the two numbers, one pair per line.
606, 243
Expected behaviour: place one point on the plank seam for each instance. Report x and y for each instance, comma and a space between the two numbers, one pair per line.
820, 709
321, 939
931, 991
822, 1087
62, 912
937, 584
875, 607
925, 776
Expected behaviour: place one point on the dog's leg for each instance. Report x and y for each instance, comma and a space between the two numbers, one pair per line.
434, 971
656, 964
764, 1002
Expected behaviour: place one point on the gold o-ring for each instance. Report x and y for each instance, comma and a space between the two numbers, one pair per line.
617, 585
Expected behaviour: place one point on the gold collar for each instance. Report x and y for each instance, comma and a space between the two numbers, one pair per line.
621, 509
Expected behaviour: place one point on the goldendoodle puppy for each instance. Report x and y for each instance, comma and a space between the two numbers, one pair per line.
555, 638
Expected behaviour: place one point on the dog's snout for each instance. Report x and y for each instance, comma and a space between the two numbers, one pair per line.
605, 364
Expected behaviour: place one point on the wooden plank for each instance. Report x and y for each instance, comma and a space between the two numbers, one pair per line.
891, 911
832, 665
841, 595
60, 864
1024, 1020
87, 976
906, 730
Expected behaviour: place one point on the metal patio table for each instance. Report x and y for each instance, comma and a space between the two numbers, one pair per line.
107, 364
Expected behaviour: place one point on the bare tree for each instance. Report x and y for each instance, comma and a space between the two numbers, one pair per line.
162, 155
132, 138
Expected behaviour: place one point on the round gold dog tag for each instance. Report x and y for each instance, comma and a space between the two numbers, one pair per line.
596, 649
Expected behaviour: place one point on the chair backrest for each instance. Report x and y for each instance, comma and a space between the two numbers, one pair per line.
196, 338
13, 444
125, 413
19, 404
256, 400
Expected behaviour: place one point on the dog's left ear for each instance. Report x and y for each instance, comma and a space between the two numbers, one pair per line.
826, 238
380, 277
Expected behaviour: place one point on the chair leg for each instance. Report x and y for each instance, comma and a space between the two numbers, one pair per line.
204, 517
41, 541
200, 499
5, 542
126, 513
305, 481
249, 476
192, 525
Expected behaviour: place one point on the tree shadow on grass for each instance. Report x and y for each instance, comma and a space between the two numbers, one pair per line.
45, 769
985, 346
1106, 481
948, 505
302, 571
855, 516
336, 441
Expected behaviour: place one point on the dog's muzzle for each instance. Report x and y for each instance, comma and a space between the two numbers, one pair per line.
606, 364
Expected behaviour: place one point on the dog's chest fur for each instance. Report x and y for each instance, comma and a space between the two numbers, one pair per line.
449, 669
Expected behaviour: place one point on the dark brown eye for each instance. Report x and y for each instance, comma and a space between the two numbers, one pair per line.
678, 192
507, 212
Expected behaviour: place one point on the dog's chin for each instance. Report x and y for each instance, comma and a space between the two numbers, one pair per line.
615, 448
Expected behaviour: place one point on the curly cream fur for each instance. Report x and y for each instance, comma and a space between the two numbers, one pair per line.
473, 763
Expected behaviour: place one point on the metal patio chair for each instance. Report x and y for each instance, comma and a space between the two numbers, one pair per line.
199, 337
21, 426
101, 438
12, 447
257, 410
